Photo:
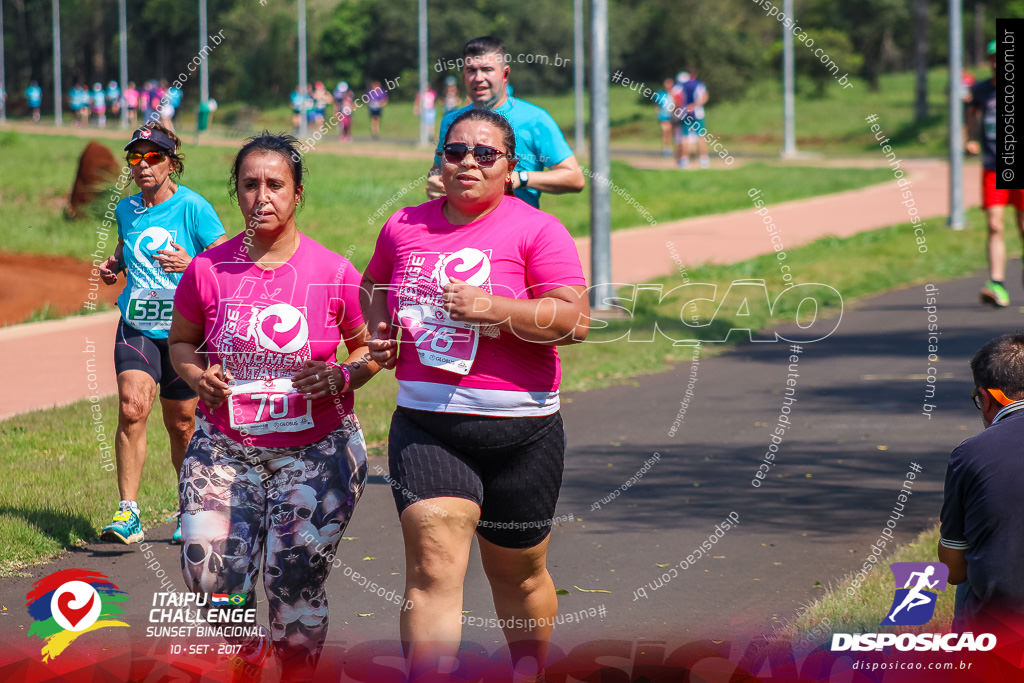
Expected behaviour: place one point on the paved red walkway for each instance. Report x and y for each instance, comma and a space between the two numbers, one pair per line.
67, 360
642, 253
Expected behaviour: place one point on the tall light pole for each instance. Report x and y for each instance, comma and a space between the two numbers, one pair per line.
577, 79
3, 81
302, 68
122, 20
788, 86
601, 291
204, 51
204, 69
424, 132
58, 112
956, 153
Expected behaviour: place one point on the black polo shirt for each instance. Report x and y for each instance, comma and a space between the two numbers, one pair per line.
983, 514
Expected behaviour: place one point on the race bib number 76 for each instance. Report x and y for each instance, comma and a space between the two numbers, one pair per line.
440, 342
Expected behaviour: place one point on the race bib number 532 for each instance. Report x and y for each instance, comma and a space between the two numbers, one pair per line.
150, 309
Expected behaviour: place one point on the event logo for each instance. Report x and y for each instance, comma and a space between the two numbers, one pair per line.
281, 328
68, 603
469, 265
914, 603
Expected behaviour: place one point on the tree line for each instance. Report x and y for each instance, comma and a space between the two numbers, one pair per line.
734, 44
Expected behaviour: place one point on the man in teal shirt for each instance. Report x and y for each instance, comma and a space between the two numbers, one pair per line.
539, 141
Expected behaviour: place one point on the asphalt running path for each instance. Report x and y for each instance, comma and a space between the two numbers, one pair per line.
856, 428
638, 255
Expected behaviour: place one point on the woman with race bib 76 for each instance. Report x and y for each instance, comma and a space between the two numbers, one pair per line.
482, 287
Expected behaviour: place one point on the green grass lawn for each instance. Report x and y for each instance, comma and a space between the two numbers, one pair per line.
832, 123
836, 611
343, 192
56, 495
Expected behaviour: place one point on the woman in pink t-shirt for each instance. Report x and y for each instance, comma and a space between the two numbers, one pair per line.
277, 453
482, 287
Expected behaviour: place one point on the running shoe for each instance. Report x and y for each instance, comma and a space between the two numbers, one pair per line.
994, 294
176, 536
705, 162
125, 528
684, 163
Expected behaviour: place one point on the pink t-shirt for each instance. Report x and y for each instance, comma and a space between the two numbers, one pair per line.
263, 325
515, 251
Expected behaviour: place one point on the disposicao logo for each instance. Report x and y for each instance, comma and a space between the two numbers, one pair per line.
914, 603
68, 603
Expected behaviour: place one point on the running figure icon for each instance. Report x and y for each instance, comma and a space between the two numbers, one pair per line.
914, 597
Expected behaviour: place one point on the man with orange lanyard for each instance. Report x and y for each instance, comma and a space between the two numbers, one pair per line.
982, 518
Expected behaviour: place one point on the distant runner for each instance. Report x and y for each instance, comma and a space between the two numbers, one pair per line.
539, 140
981, 127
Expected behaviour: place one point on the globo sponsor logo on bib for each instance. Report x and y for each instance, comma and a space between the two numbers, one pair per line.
281, 328
469, 265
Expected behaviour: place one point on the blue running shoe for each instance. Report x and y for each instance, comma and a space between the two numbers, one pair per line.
125, 528
176, 536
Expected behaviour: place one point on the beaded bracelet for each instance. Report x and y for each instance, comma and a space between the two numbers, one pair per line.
346, 373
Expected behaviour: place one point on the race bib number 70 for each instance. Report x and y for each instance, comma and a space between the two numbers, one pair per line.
267, 406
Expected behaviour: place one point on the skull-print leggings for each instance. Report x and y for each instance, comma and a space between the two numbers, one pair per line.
243, 506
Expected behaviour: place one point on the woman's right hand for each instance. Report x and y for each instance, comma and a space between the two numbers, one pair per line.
213, 386
109, 270
383, 348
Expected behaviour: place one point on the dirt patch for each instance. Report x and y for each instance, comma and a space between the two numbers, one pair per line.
28, 283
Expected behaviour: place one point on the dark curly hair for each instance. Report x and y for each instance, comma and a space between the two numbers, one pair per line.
267, 142
508, 136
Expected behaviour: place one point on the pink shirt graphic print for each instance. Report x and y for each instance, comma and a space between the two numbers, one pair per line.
263, 325
516, 251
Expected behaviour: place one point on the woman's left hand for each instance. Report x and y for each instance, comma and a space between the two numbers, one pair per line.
173, 260
318, 380
463, 301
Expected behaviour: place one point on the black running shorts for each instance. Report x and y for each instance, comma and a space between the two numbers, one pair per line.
510, 466
135, 351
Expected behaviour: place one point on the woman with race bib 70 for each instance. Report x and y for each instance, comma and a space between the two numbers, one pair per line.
278, 460
482, 287
159, 231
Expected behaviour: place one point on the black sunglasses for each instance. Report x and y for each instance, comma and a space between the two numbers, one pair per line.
455, 152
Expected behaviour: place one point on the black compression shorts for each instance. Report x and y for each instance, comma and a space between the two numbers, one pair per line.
510, 466
135, 351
